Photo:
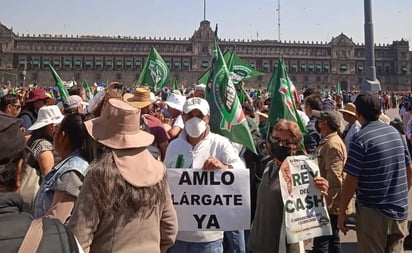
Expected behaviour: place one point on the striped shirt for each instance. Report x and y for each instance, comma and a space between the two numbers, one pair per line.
378, 158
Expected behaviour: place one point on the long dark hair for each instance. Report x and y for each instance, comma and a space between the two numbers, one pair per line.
73, 126
113, 194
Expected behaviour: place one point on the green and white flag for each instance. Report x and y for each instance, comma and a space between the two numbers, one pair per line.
86, 87
155, 72
59, 83
283, 104
239, 69
227, 117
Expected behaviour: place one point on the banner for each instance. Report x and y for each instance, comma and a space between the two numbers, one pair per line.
217, 200
306, 215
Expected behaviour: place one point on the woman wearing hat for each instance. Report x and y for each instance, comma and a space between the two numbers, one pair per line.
125, 203
41, 139
61, 186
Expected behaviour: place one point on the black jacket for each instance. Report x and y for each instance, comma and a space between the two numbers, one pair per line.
14, 224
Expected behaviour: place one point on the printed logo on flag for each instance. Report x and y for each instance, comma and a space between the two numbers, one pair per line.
158, 71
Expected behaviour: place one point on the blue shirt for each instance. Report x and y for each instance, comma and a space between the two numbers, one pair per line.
378, 158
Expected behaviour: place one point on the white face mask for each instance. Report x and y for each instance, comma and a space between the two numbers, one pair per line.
195, 127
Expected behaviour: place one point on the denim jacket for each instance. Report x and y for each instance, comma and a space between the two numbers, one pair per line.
44, 197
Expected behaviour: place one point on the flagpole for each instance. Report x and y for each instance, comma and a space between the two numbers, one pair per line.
204, 9
369, 83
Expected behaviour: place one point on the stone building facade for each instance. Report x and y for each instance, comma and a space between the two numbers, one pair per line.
24, 59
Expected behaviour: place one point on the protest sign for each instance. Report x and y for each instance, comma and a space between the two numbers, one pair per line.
305, 208
217, 200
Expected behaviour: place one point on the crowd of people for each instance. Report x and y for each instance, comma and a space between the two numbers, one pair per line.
93, 171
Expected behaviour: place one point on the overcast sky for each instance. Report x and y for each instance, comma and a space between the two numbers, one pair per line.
300, 20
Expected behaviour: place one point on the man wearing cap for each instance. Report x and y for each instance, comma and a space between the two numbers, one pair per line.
353, 126
312, 137
331, 157
14, 222
141, 99
37, 99
73, 104
379, 170
175, 107
200, 149
200, 90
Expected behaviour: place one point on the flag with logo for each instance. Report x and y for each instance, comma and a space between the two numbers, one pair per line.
227, 117
283, 102
59, 83
86, 87
155, 72
238, 68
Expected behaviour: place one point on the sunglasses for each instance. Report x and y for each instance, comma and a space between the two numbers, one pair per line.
17, 106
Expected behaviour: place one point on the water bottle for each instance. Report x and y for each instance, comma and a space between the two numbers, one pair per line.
180, 162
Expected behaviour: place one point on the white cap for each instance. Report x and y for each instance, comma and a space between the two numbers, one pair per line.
196, 103
47, 115
200, 86
176, 101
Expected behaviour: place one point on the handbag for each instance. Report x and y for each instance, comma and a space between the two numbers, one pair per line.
33, 237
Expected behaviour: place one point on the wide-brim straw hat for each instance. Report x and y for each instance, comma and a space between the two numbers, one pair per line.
140, 98
349, 108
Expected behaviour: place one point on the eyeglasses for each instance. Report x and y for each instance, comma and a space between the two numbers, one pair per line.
283, 143
17, 106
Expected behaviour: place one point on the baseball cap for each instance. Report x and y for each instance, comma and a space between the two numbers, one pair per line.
332, 117
176, 101
196, 103
73, 102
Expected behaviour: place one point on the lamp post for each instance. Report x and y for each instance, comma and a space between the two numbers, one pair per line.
369, 82
25, 72
12, 74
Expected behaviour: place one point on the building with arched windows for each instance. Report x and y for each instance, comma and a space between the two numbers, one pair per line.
24, 59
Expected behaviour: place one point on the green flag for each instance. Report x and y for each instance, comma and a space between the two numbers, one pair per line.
239, 69
86, 87
59, 83
175, 85
283, 103
339, 89
227, 117
155, 73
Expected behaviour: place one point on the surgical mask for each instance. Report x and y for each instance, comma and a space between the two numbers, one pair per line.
195, 127
280, 152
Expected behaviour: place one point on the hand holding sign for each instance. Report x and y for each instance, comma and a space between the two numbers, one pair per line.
322, 184
212, 163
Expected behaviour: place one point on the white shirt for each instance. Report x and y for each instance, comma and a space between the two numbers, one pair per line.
194, 157
179, 122
303, 117
354, 128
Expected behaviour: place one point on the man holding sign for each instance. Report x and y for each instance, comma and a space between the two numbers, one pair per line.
196, 147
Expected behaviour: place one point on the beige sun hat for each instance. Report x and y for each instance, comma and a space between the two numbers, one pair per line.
118, 127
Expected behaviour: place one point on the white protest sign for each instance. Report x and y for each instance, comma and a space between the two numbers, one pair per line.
216, 200
305, 208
